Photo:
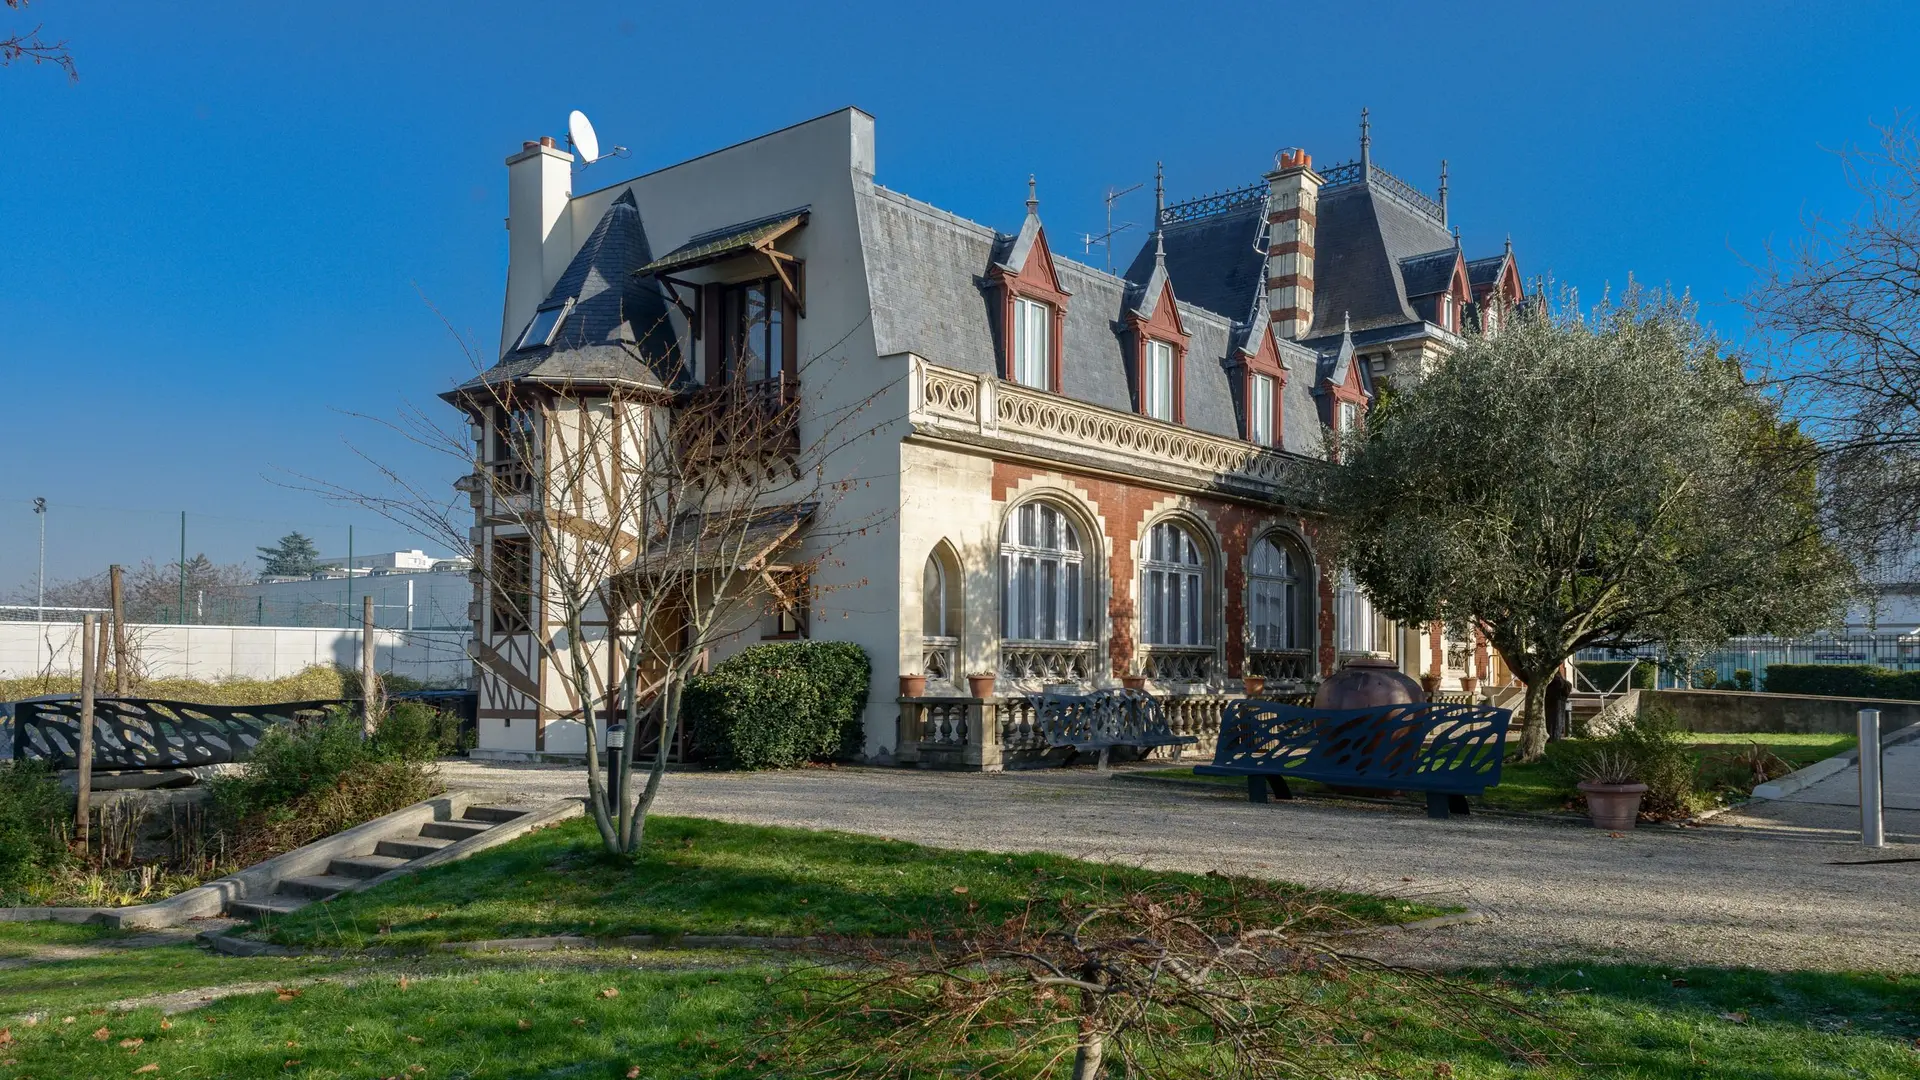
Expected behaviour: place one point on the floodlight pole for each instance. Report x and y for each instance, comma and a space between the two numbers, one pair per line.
40, 603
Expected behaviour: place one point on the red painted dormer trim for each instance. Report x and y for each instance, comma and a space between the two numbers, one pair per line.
1036, 280
1264, 361
1167, 326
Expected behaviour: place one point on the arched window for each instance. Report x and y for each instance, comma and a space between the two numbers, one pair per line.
1040, 567
1173, 603
1279, 596
940, 615
933, 599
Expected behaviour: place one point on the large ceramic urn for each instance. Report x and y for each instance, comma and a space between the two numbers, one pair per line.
1366, 682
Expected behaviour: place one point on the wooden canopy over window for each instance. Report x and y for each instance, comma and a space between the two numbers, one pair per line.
746, 238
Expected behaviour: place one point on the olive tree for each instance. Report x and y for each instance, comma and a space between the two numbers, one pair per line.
1587, 479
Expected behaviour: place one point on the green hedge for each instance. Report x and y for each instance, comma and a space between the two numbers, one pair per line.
1604, 673
780, 704
1843, 680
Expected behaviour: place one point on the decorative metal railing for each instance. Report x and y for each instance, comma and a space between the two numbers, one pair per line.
142, 733
1353, 172
939, 658
1177, 663
1347, 172
1048, 661
1219, 202
1281, 665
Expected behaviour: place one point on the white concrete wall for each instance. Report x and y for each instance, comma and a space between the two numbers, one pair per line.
254, 652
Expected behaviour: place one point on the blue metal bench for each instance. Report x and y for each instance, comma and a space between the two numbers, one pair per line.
1446, 751
1103, 720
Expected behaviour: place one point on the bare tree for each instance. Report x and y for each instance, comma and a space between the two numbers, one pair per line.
1164, 983
1841, 309
30, 46
641, 522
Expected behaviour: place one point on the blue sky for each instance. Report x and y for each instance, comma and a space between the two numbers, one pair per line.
232, 228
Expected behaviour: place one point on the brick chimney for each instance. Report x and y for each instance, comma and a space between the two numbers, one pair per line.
540, 243
1293, 199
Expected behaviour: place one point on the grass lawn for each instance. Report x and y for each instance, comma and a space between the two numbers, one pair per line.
1537, 787
708, 877
514, 1017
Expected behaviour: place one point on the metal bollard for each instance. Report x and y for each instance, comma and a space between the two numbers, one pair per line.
616, 745
1872, 815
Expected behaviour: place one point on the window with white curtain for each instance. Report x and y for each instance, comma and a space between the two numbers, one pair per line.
1173, 607
1356, 628
1032, 343
1157, 394
1260, 410
1279, 596
1349, 417
1040, 567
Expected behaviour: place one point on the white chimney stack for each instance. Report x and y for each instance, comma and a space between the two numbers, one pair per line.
540, 244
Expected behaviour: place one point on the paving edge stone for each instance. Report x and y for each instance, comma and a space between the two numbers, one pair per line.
1804, 778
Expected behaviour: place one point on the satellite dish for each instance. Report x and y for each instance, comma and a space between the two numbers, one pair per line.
580, 133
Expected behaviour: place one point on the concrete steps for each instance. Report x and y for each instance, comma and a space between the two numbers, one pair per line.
290, 894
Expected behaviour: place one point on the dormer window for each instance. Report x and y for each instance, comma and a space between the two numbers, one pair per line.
545, 324
1260, 410
1157, 391
1349, 417
1446, 310
1032, 343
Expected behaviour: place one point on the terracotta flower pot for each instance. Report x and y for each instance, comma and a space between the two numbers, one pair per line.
980, 686
1134, 682
1255, 684
1612, 806
1469, 684
1430, 684
913, 686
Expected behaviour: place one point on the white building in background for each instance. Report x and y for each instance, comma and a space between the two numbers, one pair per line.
411, 590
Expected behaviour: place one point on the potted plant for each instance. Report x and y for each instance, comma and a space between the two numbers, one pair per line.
1609, 780
1135, 681
1255, 684
913, 686
980, 684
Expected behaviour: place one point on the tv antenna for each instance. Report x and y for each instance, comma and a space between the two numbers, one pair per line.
1105, 239
581, 138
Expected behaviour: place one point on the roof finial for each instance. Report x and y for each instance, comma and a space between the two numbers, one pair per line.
1033, 197
1509, 245
1443, 191
1366, 139
1346, 323
1159, 212
1456, 237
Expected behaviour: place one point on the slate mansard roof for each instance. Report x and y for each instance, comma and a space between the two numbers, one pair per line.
617, 331
928, 273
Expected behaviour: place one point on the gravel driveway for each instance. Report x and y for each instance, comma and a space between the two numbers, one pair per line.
1700, 896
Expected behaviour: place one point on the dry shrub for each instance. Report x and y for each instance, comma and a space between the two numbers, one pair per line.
1165, 983
366, 791
321, 682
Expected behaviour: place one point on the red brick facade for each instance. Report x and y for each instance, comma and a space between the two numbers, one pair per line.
1124, 512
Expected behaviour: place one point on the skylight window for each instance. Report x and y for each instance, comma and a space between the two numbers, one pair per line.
546, 322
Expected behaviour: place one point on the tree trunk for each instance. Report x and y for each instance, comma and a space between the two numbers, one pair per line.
1533, 719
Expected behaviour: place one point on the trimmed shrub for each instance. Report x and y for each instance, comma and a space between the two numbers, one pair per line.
780, 704
32, 808
1843, 680
416, 731
1605, 673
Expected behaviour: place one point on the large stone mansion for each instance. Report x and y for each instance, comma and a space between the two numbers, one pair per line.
1083, 475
